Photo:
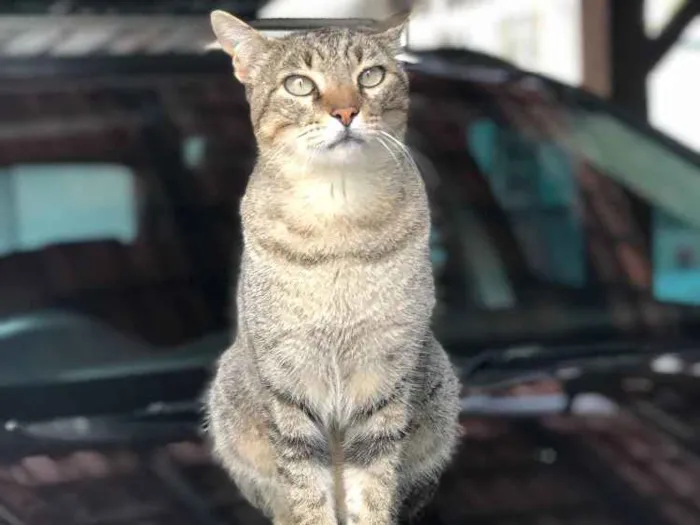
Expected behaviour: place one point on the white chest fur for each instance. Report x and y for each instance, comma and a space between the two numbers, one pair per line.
350, 186
334, 194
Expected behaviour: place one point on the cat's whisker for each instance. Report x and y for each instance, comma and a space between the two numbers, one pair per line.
391, 147
387, 146
402, 147
394, 140
307, 131
394, 147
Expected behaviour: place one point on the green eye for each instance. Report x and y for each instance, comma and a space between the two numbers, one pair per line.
371, 77
299, 85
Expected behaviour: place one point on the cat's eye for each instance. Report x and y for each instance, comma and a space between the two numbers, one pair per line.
371, 77
299, 85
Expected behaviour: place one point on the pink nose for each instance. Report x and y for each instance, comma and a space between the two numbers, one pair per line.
345, 115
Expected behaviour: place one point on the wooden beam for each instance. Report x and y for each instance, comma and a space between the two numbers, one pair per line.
595, 46
659, 46
628, 51
617, 54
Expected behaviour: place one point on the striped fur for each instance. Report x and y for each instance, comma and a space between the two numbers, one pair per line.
335, 403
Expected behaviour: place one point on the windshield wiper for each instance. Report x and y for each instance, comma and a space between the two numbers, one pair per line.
113, 391
514, 362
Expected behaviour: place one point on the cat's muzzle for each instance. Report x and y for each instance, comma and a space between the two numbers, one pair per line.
346, 138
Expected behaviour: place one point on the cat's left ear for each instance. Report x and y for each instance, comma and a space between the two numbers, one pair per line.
391, 29
240, 41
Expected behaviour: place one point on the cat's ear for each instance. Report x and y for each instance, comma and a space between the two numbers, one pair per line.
239, 40
391, 29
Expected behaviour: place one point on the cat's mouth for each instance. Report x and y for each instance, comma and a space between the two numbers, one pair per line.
347, 138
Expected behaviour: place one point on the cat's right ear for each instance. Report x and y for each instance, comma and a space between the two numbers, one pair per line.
239, 40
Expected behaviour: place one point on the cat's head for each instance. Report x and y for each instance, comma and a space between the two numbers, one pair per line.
326, 93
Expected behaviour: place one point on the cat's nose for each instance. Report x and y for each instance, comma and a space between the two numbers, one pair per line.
345, 115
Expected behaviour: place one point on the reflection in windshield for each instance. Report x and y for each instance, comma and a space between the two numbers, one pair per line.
534, 181
47, 204
671, 186
650, 169
676, 259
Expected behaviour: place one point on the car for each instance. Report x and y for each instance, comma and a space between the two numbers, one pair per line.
566, 252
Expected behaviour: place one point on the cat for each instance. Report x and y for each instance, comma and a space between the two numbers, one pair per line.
335, 402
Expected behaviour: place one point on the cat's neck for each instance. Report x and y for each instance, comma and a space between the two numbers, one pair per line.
316, 195
316, 210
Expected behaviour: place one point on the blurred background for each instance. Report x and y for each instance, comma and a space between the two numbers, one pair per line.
635, 51
559, 144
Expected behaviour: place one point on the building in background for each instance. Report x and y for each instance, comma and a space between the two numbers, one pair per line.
537, 35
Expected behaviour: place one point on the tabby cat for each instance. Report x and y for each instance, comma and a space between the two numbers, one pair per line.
335, 403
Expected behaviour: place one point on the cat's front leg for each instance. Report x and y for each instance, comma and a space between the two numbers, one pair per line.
371, 492
304, 474
307, 495
371, 466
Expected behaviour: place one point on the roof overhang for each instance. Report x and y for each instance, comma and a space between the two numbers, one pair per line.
24, 36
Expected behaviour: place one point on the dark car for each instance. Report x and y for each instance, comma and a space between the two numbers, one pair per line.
566, 248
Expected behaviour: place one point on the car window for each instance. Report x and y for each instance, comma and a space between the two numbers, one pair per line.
46, 204
97, 241
676, 259
534, 182
668, 182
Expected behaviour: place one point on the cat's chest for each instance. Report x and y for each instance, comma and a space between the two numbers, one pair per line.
332, 195
328, 308
334, 296
335, 335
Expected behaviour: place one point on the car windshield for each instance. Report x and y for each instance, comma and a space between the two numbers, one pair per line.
573, 221
553, 220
